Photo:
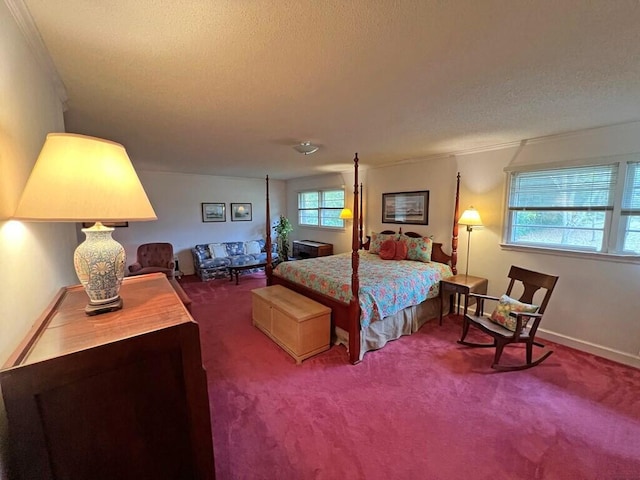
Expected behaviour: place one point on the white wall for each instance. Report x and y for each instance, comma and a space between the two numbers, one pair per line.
595, 304
177, 198
36, 258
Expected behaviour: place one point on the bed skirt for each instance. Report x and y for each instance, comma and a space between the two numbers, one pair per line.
405, 322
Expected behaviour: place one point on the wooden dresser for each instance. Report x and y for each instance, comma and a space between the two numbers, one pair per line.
311, 249
118, 395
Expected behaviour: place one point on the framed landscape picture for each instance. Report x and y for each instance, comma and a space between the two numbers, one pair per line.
406, 207
214, 212
241, 212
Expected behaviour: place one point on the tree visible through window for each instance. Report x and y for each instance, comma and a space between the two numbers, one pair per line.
577, 208
321, 208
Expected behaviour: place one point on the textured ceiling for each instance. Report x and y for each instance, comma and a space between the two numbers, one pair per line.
228, 87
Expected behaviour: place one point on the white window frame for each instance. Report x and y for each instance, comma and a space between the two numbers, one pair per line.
616, 217
321, 192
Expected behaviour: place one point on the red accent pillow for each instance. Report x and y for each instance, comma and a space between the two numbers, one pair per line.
388, 249
401, 251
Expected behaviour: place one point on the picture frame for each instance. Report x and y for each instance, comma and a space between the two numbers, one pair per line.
241, 212
411, 208
214, 212
106, 224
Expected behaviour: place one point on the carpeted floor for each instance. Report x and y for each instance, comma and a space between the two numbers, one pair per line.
423, 407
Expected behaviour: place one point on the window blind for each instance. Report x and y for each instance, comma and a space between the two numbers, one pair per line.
631, 195
574, 188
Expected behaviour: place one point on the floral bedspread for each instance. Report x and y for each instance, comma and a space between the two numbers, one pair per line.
386, 286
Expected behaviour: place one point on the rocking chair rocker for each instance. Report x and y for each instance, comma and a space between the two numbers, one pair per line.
513, 321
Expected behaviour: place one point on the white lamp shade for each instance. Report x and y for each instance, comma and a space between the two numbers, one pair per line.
346, 214
470, 217
79, 178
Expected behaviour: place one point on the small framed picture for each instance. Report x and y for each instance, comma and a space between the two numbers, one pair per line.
240, 212
214, 212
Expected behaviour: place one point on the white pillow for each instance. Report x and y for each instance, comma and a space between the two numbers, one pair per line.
217, 250
251, 247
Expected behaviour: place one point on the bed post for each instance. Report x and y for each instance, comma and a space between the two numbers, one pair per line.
269, 267
354, 304
454, 238
360, 220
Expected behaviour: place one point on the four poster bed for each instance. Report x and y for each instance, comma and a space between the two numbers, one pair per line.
372, 300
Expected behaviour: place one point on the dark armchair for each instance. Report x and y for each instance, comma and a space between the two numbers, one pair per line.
153, 257
512, 321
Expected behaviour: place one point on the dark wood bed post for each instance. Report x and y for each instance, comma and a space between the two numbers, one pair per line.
454, 238
354, 304
269, 267
360, 219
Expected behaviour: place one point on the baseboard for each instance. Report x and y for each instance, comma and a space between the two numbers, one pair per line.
598, 350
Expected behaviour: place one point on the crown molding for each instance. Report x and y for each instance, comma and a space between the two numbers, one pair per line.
499, 146
31, 33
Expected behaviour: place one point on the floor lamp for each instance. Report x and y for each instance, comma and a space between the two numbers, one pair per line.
470, 218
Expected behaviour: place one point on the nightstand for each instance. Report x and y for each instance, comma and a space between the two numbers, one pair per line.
462, 285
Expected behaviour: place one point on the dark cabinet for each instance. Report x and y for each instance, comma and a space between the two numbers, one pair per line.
311, 249
118, 395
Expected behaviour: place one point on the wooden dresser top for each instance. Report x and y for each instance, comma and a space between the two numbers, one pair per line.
150, 303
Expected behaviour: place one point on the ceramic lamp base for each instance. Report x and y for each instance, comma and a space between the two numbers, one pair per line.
99, 262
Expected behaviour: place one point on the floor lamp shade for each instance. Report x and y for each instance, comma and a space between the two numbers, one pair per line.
471, 218
78, 178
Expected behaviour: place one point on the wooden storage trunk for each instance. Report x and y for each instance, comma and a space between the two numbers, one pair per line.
301, 326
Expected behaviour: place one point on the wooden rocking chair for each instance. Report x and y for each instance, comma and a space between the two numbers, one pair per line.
513, 321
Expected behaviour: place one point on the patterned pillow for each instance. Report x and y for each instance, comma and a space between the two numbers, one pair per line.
418, 248
388, 249
507, 304
378, 238
252, 247
217, 250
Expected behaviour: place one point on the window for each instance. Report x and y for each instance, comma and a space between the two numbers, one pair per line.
630, 214
586, 208
321, 208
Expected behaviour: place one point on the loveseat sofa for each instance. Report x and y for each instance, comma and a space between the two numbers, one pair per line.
212, 259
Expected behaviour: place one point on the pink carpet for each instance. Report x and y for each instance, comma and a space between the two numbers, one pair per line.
423, 407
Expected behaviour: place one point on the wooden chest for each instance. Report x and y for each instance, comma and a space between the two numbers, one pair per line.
298, 324
311, 249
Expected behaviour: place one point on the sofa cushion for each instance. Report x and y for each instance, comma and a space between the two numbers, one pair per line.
252, 247
218, 250
216, 262
234, 248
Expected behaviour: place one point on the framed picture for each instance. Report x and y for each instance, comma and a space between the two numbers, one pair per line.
106, 224
240, 212
214, 212
406, 207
